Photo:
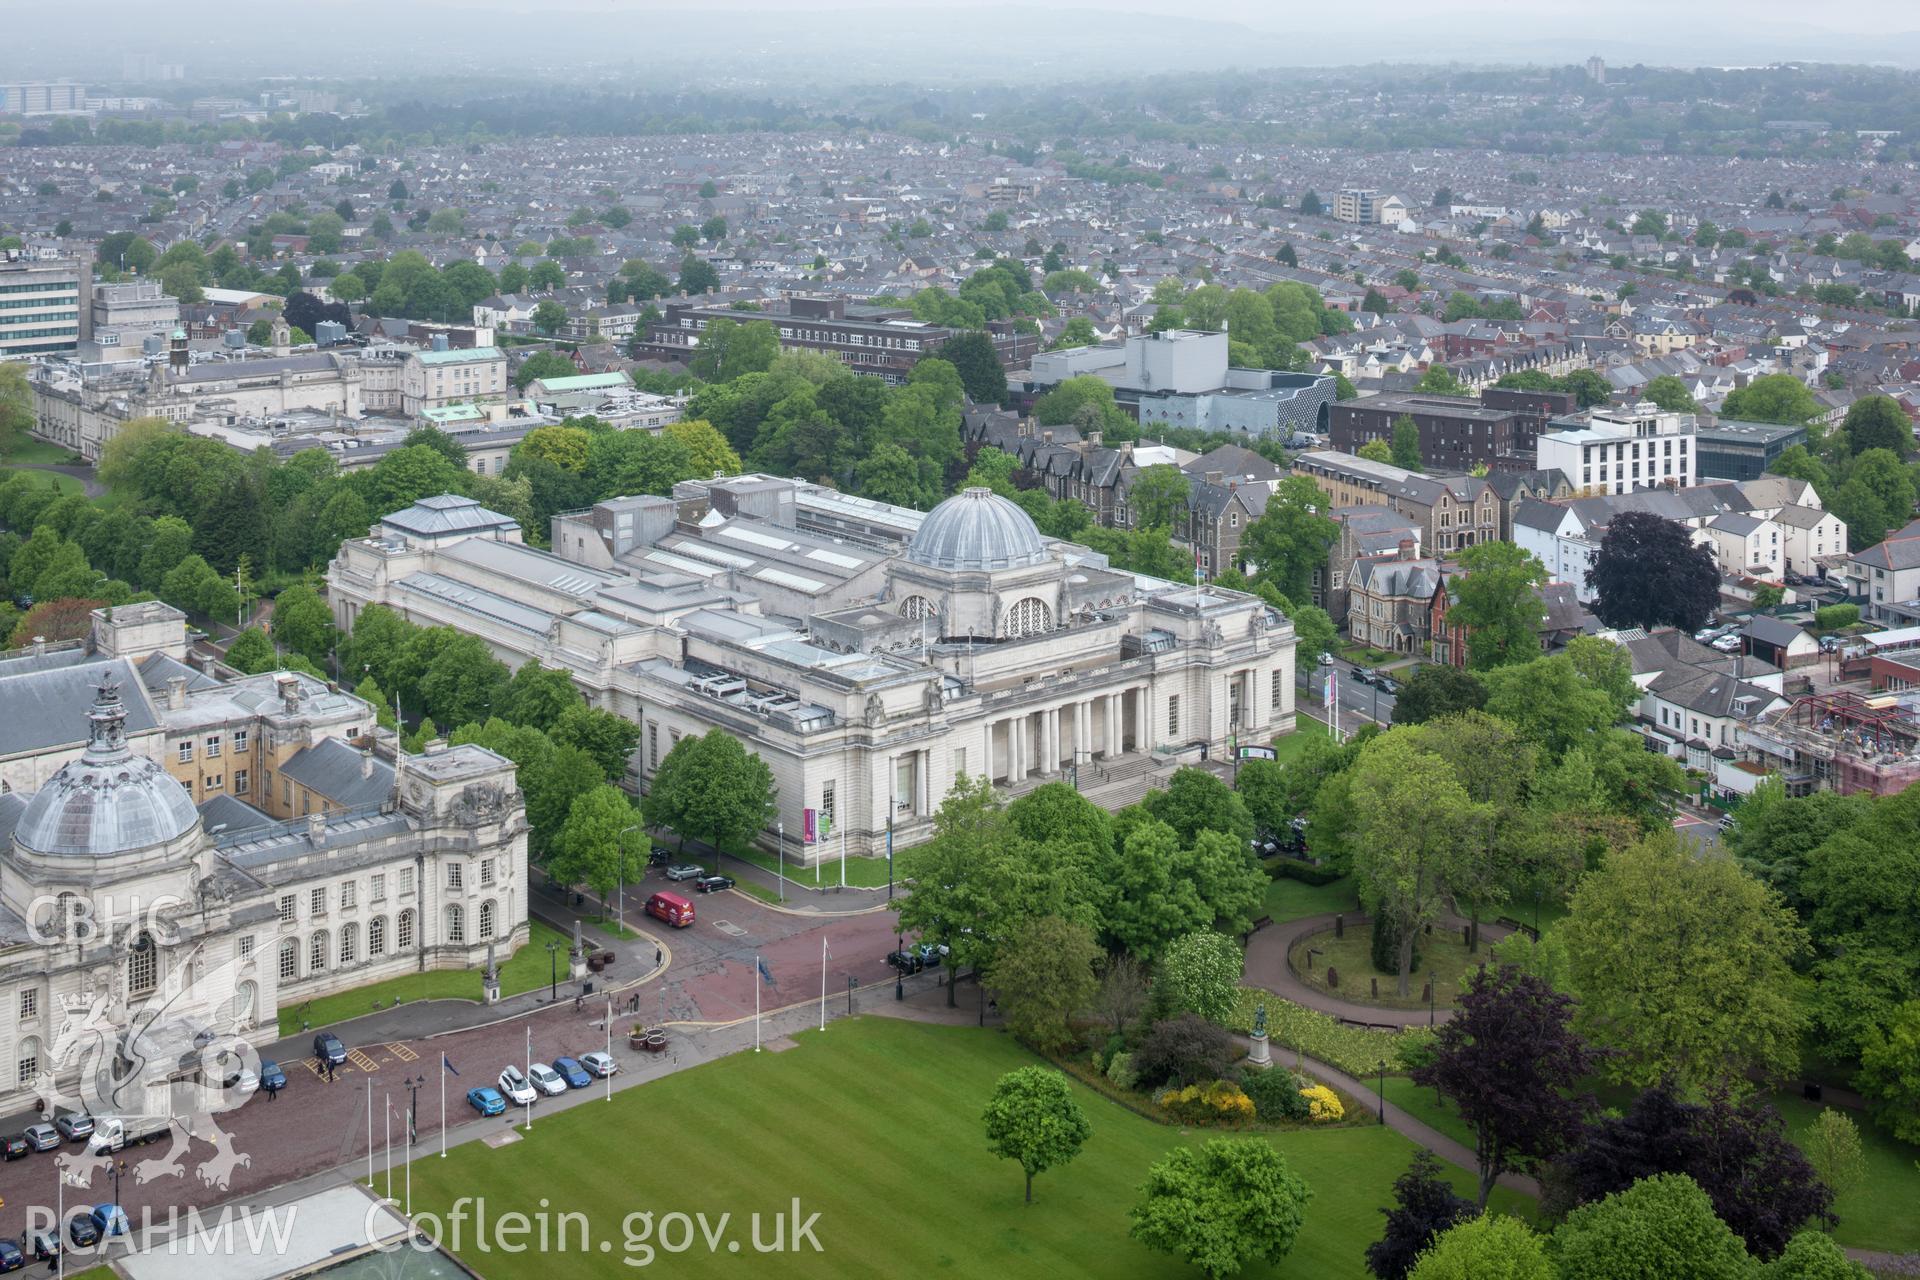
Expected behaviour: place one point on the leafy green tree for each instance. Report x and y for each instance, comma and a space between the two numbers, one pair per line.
1669, 393
547, 275
1158, 495
1406, 444
1033, 1120
1890, 1072
610, 739
1772, 397
549, 317
595, 846
1194, 801
1221, 1206
1685, 967
728, 350
1650, 573
1084, 401
1291, 538
1440, 380
1660, 1226
1145, 904
714, 229
1832, 1145
303, 622
1497, 599
697, 276
1376, 451
461, 681
711, 786
1434, 691
194, 585
973, 356
543, 364
1042, 976
1488, 1247
1812, 1255
1200, 973
686, 236
537, 696
1878, 422
252, 652
1077, 332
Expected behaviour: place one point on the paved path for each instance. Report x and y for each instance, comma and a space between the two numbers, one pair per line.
798, 895
1267, 967
93, 488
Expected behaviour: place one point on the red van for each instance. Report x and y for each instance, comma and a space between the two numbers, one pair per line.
672, 908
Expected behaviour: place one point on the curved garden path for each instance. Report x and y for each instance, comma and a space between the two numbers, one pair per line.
1267, 967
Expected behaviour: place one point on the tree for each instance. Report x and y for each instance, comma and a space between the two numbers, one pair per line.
1510, 1061
1812, 1255
543, 364
1488, 1247
1228, 1203
973, 356
710, 785
549, 317
1122, 992
16, 405
1878, 422
538, 695
1890, 1072
1042, 976
1772, 397
1194, 801
1201, 973
1660, 1226
1406, 444
1669, 393
251, 652
595, 846
1285, 255
707, 450
1377, 451
547, 274
1649, 573
1311, 204
303, 622
1434, 691
697, 276
729, 350
1684, 965
1440, 380
1033, 1119
70, 618
1412, 821
1832, 1144
195, 586
1425, 1205
1291, 538
1497, 599
1077, 332
1159, 494
608, 738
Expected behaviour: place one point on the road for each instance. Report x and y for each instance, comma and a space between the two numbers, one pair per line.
1359, 703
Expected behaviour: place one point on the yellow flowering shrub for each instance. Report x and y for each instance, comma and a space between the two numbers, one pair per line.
1323, 1104
1221, 1102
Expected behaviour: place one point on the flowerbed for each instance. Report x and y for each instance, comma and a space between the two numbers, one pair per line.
1353, 1050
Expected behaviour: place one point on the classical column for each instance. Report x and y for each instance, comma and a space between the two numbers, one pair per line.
1052, 762
1083, 731
1017, 737
1116, 725
1143, 722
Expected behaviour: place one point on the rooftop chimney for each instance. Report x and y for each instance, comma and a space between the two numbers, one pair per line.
1406, 549
39, 644
176, 692
439, 342
317, 828
1093, 438
366, 763
289, 687
1216, 477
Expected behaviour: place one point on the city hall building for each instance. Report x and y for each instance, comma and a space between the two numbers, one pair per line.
871, 654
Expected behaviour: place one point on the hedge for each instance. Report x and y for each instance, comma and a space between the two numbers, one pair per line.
1280, 866
1354, 1050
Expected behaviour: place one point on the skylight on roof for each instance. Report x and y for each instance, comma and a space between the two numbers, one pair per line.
754, 537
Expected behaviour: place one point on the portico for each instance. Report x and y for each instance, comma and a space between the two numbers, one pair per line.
1047, 740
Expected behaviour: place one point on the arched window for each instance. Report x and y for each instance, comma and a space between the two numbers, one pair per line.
486, 920
349, 943
27, 1066
915, 608
289, 960
376, 937
403, 935
317, 952
1030, 617
456, 924
143, 966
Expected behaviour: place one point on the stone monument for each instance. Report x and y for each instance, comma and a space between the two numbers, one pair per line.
577, 958
490, 980
1260, 1057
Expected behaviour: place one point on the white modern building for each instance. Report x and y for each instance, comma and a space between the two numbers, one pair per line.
1618, 452
871, 654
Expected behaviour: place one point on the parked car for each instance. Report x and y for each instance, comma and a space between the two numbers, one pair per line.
599, 1065
712, 884
1727, 643
17, 1147
109, 1220
82, 1231
658, 857
73, 1125
45, 1244
1727, 821
546, 1079
904, 961
515, 1086
11, 1259
1829, 644
327, 1048
487, 1102
272, 1078
1365, 675
685, 871
241, 1080
1326, 659
1387, 685
931, 954
42, 1137
572, 1072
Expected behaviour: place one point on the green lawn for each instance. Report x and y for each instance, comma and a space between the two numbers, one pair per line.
1289, 899
1290, 747
526, 969
64, 483
898, 1172
1362, 656
26, 450
1444, 959
865, 873
1879, 1214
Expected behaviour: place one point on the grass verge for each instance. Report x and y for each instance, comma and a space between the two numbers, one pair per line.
1289, 899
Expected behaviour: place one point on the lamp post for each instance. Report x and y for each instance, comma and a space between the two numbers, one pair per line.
553, 972
889, 855
1383, 1091
620, 916
899, 975
413, 1107
780, 879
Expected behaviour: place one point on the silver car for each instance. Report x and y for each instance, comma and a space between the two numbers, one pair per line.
42, 1137
685, 871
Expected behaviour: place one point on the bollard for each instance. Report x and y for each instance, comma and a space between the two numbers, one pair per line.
1333, 977
1466, 935
1340, 925
1376, 988
1426, 993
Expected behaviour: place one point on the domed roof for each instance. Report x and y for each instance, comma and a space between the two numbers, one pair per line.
977, 529
109, 800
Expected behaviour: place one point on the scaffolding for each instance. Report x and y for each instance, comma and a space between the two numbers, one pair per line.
1852, 743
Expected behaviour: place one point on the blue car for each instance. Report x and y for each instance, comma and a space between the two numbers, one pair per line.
110, 1222
572, 1072
11, 1259
486, 1100
83, 1231
272, 1078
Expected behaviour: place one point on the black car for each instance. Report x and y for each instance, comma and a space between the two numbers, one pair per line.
16, 1146
327, 1048
45, 1245
1387, 685
904, 961
83, 1231
713, 884
658, 858
1365, 675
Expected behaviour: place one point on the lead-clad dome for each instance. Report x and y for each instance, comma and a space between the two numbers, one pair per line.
109, 800
974, 530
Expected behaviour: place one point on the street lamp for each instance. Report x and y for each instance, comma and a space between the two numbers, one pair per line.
899, 975
780, 879
1383, 1091
413, 1108
117, 1168
889, 855
553, 972
620, 916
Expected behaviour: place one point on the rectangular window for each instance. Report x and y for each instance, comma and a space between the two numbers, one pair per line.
486, 872
1173, 716
29, 1003
240, 782
455, 870
239, 740
213, 746
653, 746
246, 946
29, 1069
216, 781
406, 881
1278, 683
317, 901
959, 762
827, 802
379, 893
349, 894
266, 786
286, 793
186, 753
286, 908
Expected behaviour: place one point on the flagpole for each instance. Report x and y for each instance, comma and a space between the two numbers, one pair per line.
369, 1133
529, 1076
609, 1075
843, 857
756, 1003
409, 1166
823, 982
443, 1105
386, 1122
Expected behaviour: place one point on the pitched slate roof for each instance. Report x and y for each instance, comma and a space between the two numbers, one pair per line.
333, 769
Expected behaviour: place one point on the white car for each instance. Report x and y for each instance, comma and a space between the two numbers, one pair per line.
1326, 659
546, 1079
599, 1064
515, 1087
1727, 643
